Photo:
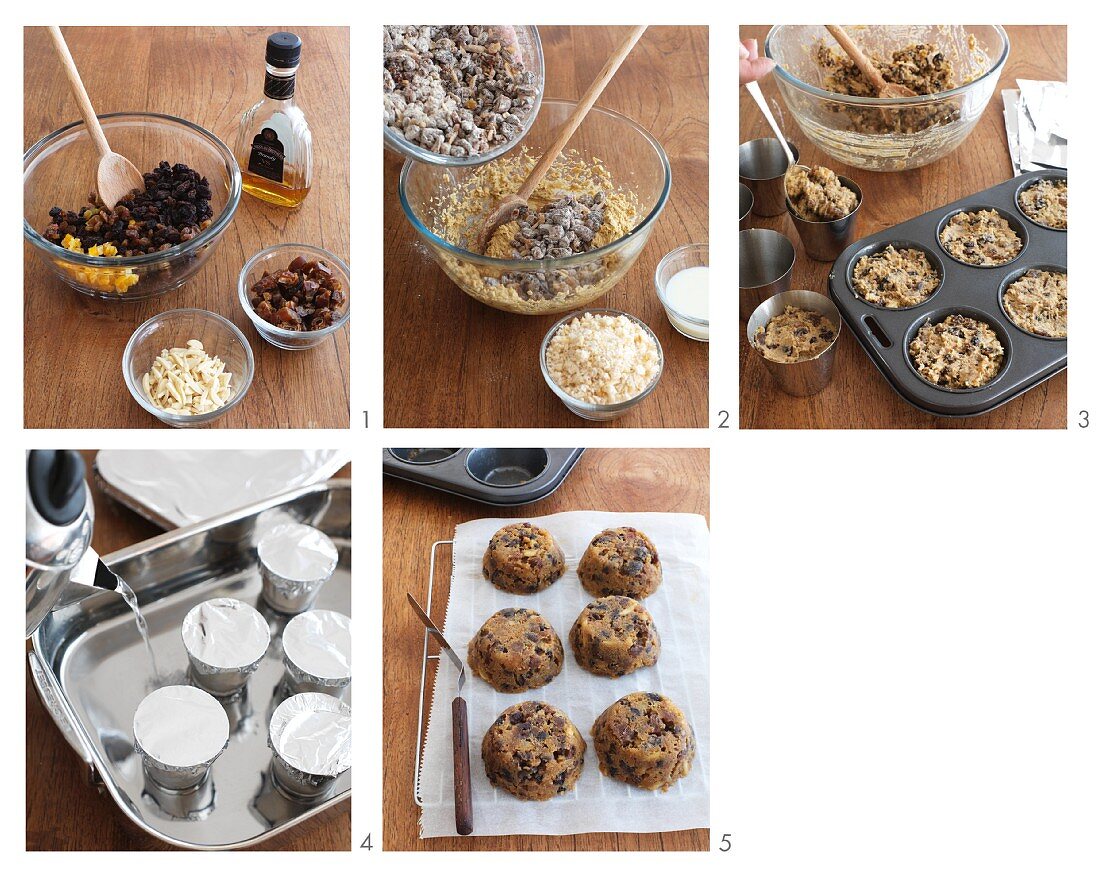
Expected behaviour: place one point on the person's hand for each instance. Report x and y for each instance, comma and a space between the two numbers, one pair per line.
753, 67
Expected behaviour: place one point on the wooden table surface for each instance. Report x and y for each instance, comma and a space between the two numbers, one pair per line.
452, 361
858, 396
666, 480
64, 811
72, 343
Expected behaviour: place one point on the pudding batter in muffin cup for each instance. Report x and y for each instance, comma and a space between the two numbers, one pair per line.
225, 641
798, 377
295, 562
982, 236
317, 652
310, 736
958, 350
180, 731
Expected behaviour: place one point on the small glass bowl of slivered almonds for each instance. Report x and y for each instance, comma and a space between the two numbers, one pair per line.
219, 337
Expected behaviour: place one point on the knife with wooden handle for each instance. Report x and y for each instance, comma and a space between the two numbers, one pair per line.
460, 732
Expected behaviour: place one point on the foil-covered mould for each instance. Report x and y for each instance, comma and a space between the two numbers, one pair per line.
180, 731
225, 641
310, 736
317, 652
295, 562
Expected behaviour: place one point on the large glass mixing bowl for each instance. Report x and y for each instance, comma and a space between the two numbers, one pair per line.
636, 163
60, 170
893, 134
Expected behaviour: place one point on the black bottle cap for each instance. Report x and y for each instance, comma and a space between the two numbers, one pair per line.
283, 49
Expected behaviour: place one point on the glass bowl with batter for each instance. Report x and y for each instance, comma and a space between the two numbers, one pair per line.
832, 103
608, 153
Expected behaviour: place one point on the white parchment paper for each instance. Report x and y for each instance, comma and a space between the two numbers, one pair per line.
681, 612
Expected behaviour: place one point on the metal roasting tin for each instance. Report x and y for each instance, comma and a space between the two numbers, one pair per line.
91, 672
494, 476
180, 731
310, 737
173, 488
296, 561
317, 652
225, 641
885, 333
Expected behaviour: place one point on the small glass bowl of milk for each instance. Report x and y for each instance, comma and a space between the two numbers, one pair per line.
683, 286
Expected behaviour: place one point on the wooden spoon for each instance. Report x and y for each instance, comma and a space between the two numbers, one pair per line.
116, 176
504, 211
880, 85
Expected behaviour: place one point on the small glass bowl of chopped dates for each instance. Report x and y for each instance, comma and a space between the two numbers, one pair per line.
296, 295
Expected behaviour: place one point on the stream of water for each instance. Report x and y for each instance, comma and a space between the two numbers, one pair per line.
127, 594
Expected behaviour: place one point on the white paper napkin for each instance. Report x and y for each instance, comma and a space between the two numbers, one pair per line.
681, 613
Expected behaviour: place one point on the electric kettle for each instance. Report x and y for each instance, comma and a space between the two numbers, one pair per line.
62, 566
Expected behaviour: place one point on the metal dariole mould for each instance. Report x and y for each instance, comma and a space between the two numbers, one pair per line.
317, 652
495, 476
295, 561
90, 669
885, 333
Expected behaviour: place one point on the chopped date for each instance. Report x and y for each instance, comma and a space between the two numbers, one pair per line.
303, 298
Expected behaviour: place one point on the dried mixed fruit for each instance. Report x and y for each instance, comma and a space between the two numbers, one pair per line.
562, 228
173, 209
457, 90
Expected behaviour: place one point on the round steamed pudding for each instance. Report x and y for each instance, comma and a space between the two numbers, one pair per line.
643, 739
620, 560
614, 636
533, 751
516, 650
523, 559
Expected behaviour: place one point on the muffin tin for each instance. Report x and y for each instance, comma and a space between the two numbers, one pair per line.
495, 476
885, 333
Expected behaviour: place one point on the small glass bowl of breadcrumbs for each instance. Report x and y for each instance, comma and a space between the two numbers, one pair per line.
600, 362
188, 367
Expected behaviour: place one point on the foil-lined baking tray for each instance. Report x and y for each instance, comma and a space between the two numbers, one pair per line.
174, 488
89, 666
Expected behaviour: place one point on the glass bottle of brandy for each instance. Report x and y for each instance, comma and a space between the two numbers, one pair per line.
274, 147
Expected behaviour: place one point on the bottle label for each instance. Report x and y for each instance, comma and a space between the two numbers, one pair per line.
266, 158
